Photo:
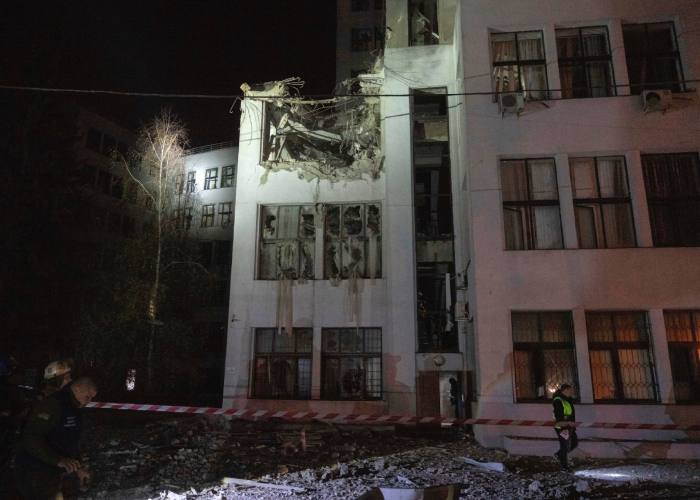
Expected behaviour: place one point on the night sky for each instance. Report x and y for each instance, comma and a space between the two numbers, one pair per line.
175, 47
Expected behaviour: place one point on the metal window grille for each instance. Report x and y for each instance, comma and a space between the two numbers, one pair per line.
585, 62
191, 181
622, 361
227, 177
361, 40
519, 64
683, 335
353, 241
225, 212
288, 242
602, 204
210, 178
351, 363
672, 184
531, 217
282, 364
207, 215
653, 57
543, 354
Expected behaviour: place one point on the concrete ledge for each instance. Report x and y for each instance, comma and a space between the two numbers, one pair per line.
604, 448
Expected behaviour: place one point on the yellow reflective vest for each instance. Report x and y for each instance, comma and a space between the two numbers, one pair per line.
567, 410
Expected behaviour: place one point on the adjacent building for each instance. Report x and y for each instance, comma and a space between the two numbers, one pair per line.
360, 36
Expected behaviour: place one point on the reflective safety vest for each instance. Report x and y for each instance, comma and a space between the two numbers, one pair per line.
567, 410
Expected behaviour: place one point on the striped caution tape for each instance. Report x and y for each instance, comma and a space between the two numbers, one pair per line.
352, 418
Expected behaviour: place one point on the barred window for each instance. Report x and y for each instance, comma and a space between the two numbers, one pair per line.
225, 213
519, 64
288, 242
191, 181
361, 40
227, 177
622, 362
210, 178
543, 354
282, 366
585, 62
207, 215
531, 217
351, 363
353, 241
672, 184
683, 335
602, 204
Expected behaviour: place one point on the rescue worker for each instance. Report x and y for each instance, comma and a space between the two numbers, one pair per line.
50, 444
563, 411
56, 376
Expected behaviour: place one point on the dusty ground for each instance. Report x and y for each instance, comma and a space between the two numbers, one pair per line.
140, 456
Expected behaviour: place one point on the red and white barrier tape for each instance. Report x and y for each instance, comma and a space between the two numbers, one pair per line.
352, 418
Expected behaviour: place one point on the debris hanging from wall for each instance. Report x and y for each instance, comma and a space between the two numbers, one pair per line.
336, 139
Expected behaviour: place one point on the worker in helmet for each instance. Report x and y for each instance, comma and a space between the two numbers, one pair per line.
563, 412
56, 376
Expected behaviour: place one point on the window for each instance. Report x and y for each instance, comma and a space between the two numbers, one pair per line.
208, 216
683, 335
423, 22
225, 213
191, 181
622, 363
379, 37
653, 59
519, 64
531, 217
351, 363
672, 184
109, 144
104, 181
585, 63
210, 178
182, 218
288, 243
282, 366
94, 139
602, 205
118, 187
361, 40
353, 241
132, 193
359, 5
227, 177
543, 354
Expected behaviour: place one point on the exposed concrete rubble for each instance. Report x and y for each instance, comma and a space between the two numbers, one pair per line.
335, 139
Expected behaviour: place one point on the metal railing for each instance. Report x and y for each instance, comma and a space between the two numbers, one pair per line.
210, 147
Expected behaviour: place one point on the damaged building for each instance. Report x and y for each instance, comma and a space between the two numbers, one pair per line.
495, 207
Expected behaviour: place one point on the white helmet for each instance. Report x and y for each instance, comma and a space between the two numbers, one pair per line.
58, 368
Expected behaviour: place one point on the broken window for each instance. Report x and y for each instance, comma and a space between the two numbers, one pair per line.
225, 212
353, 241
672, 184
585, 62
622, 362
191, 181
351, 363
543, 354
227, 177
282, 365
423, 22
531, 217
602, 204
288, 242
208, 216
361, 39
212, 174
519, 64
683, 335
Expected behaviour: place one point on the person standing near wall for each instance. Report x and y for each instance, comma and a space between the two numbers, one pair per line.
563, 411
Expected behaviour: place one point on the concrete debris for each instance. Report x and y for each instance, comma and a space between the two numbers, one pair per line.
582, 486
448, 492
245, 482
494, 466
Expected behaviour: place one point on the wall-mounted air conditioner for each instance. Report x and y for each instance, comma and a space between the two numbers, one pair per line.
512, 102
656, 100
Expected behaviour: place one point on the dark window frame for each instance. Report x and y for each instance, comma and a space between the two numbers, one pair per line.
614, 347
227, 176
208, 215
582, 61
690, 351
432, 26
226, 212
191, 182
526, 62
538, 348
364, 354
299, 240
296, 354
210, 178
361, 44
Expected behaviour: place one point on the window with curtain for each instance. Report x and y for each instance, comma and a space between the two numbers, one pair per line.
351, 363
288, 242
585, 63
653, 58
602, 204
622, 362
519, 64
543, 354
531, 217
282, 365
683, 335
672, 183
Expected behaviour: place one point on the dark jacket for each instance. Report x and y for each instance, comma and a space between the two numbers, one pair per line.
52, 433
558, 408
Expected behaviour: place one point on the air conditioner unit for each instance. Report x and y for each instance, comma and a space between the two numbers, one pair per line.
656, 100
512, 102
